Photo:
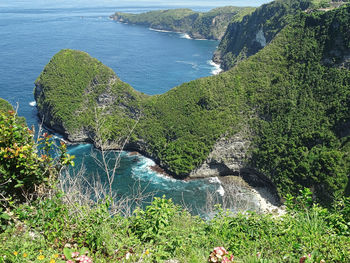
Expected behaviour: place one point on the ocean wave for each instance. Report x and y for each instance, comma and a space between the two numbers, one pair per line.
216, 67
193, 64
215, 180
160, 30
79, 147
184, 35
143, 170
32, 103
221, 191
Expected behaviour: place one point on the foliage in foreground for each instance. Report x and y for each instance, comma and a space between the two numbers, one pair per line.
52, 228
42, 231
25, 164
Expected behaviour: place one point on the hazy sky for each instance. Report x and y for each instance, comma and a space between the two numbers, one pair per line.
96, 3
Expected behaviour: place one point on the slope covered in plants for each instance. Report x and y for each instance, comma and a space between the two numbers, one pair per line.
246, 37
51, 225
292, 97
208, 25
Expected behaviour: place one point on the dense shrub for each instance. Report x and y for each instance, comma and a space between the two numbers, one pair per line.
23, 163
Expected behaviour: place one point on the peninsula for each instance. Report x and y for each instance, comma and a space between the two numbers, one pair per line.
198, 25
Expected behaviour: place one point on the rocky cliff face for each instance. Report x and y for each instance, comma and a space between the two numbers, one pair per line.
228, 157
45, 112
245, 38
80, 107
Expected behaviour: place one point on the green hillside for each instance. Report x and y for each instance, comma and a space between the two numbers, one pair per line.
208, 25
246, 37
292, 95
74, 89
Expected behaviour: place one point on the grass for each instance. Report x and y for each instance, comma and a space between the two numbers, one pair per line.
164, 231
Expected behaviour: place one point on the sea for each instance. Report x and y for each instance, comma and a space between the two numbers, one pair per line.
153, 62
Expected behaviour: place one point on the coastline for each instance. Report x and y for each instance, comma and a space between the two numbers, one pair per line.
266, 201
217, 67
186, 34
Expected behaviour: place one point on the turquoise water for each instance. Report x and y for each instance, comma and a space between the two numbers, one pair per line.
152, 62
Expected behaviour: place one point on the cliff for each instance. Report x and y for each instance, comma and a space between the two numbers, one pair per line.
247, 36
75, 91
199, 25
278, 117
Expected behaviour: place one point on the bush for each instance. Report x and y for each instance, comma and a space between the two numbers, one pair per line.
23, 163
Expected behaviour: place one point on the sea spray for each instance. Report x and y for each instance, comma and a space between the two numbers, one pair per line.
184, 35
216, 67
220, 190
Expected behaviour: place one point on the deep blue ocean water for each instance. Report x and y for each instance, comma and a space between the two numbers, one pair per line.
152, 62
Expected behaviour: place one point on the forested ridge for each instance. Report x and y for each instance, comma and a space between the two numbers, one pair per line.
207, 25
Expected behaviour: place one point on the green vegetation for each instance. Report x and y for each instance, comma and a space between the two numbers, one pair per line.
23, 164
293, 95
241, 38
5, 105
43, 230
208, 25
71, 74
52, 227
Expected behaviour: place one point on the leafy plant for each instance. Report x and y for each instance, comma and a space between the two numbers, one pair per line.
23, 163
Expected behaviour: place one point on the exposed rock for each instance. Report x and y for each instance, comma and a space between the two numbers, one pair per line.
260, 38
227, 157
263, 199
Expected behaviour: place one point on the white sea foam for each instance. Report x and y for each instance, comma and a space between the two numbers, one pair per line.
216, 67
221, 191
184, 35
215, 180
159, 30
32, 103
144, 171
193, 64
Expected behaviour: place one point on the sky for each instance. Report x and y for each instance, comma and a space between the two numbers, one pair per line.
116, 3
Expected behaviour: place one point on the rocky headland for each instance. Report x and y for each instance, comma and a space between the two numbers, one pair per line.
197, 25
264, 120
